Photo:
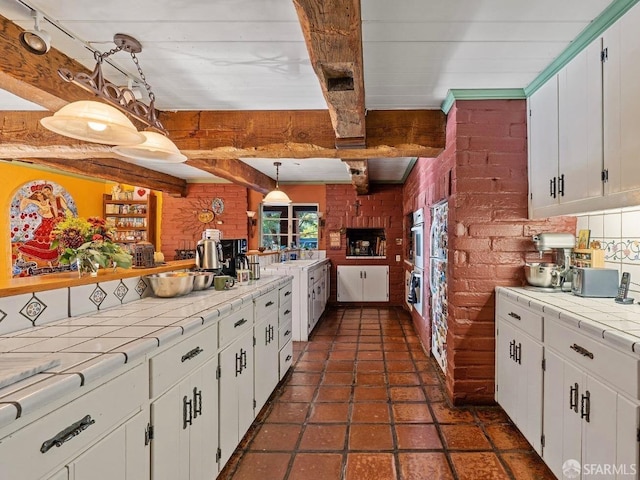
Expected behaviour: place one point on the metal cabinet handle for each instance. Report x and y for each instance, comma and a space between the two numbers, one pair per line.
268, 304
518, 354
515, 315
243, 355
287, 293
581, 350
186, 404
552, 187
585, 406
287, 311
242, 321
191, 353
197, 402
272, 334
573, 397
561, 185
512, 347
288, 358
287, 333
238, 363
68, 433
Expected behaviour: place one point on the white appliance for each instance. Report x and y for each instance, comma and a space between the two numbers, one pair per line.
438, 241
417, 238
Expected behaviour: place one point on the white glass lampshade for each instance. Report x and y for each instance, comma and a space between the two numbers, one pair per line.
93, 122
156, 147
276, 197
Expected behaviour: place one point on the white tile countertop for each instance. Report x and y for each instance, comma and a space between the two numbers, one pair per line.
602, 318
80, 350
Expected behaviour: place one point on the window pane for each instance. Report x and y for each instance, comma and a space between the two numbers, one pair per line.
275, 221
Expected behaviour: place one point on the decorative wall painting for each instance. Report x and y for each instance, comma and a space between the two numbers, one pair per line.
35, 209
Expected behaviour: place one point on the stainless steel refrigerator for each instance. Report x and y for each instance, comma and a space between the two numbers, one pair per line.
438, 241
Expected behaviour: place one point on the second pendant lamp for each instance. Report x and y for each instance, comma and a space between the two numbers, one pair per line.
276, 196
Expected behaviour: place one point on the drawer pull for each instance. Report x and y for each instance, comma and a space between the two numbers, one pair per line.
585, 406
191, 353
242, 321
573, 397
287, 293
268, 304
186, 421
518, 354
512, 348
287, 333
581, 350
68, 433
287, 311
288, 358
515, 315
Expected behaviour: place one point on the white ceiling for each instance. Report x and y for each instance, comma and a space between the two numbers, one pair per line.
251, 55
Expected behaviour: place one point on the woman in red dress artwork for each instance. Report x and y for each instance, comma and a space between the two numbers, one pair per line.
51, 209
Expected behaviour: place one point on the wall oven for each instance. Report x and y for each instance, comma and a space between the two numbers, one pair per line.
417, 237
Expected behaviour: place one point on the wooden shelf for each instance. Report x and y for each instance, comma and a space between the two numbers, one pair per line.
144, 210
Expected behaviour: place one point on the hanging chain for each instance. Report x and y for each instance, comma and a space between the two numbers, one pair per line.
152, 97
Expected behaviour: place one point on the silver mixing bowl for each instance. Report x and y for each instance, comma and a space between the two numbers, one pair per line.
542, 274
202, 280
171, 284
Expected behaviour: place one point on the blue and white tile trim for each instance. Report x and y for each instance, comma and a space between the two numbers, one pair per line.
618, 232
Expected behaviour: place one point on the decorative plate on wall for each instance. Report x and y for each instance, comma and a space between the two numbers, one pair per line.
217, 205
205, 216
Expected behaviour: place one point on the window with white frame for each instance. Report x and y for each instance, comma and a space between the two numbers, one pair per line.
287, 225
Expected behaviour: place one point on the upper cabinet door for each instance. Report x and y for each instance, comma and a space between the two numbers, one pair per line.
621, 77
580, 126
543, 145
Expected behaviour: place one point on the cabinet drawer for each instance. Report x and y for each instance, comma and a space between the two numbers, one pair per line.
613, 366
172, 365
285, 293
107, 406
266, 304
286, 311
520, 316
235, 324
286, 358
284, 333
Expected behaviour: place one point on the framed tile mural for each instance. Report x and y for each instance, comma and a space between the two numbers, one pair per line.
35, 209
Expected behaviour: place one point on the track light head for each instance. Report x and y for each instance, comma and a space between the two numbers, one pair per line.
36, 41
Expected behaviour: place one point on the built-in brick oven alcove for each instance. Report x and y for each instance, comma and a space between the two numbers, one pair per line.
483, 174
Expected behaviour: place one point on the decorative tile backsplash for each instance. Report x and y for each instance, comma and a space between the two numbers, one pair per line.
618, 232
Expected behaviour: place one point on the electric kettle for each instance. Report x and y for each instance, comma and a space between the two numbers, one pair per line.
208, 255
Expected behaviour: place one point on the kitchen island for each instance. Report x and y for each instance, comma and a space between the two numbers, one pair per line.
152, 388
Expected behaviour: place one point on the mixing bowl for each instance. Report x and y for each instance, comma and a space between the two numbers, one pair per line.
202, 280
542, 274
171, 284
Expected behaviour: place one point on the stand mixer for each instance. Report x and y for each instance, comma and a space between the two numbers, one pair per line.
552, 275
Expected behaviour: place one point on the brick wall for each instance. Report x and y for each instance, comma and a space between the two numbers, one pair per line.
483, 175
180, 227
381, 208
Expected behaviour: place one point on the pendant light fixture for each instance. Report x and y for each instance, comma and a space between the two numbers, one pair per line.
98, 122
276, 196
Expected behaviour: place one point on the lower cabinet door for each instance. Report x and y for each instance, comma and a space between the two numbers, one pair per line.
120, 455
266, 359
598, 404
185, 421
236, 394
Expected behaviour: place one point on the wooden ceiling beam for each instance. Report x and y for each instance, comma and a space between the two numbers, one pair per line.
333, 33
35, 77
359, 172
116, 171
236, 172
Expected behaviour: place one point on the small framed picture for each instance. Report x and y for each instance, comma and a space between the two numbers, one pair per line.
583, 239
243, 277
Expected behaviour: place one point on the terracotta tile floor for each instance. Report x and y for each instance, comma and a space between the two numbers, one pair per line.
363, 401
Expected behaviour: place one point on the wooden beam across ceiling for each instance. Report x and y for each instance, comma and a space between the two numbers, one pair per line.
236, 172
359, 172
333, 33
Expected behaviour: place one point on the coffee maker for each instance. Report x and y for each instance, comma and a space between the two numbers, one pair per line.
561, 246
208, 254
234, 255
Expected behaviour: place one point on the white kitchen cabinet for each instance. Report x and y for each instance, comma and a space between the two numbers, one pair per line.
363, 283
565, 133
236, 381
266, 352
183, 419
285, 329
78, 428
621, 77
519, 368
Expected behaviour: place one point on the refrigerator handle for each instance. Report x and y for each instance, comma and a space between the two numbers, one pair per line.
431, 285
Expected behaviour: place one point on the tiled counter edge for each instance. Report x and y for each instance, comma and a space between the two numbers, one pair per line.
106, 341
601, 318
